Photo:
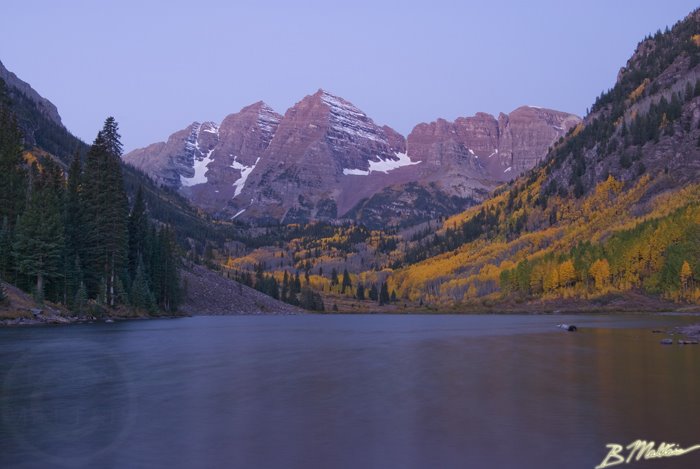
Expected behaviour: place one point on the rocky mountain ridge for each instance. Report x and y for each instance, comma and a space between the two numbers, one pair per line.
326, 159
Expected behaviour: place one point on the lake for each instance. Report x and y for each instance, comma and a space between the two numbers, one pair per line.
344, 391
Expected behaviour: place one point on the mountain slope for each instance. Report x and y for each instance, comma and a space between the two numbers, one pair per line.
325, 159
309, 171
46, 137
614, 209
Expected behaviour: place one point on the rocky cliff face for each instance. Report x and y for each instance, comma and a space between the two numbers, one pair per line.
326, 159
321, 144
210, 163
45, 106
478, 151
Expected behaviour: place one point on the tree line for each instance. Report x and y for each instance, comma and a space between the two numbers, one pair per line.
71, 236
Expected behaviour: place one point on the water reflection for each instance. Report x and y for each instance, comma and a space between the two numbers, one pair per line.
363, 391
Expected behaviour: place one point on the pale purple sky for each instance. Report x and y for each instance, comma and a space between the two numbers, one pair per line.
159, 65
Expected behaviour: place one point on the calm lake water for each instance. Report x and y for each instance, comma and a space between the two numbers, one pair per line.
338, 391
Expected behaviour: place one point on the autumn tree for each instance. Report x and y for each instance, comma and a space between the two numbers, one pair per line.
686, 277
567, 273
600, 271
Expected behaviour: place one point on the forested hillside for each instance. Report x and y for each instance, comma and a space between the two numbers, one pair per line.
611, 212
72, 237
613, 209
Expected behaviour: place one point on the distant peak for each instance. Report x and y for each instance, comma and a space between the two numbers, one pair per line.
259, 107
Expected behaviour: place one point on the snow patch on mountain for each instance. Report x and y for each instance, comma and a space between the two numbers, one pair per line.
245, 172
211, 128
200, 170
382, 166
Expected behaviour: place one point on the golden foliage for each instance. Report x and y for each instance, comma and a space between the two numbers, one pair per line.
600, 271
637, 92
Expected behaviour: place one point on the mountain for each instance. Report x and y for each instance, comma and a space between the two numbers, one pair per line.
39, 119
310, 169
45, 136
463, 161
43, 105
610, 218
326, 159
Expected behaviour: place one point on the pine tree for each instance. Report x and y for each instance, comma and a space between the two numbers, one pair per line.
112, 139
141, 295
296, 285
106, 211
5, 248
360, 293
13, 177
346, 281
39, 242
171, 292
334, 277
138, 231
383, 294
311, 300
284, 296
3, 293
73, 280
74, 240
373, 294
80, 300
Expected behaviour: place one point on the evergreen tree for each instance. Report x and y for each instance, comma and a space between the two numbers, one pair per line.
284, 296
360, 293
138, 231
106, 210
346, 281
39, 242
311, 300
141, 295
80, 300
170, 293
297, 284
5, 248
373, 294
334, 277
73, 280
3, 293
73, 232
13, 177
383, 294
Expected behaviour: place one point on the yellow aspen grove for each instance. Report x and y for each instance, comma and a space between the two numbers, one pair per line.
567, 273
600, 271
537, 279
686, 276
551, 278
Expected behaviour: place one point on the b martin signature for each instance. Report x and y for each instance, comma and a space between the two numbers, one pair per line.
641, 449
